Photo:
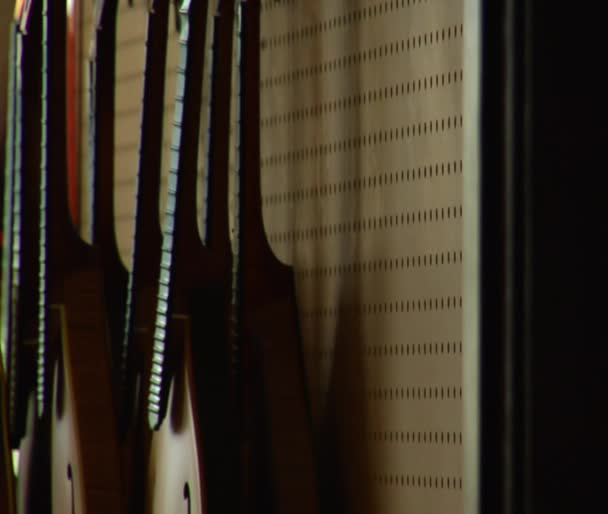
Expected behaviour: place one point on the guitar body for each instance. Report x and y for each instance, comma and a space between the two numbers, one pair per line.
175, 468
34, 465
285, 451
85, 460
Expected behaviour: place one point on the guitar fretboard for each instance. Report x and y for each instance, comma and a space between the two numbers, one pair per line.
164, 295
10, 273
43, 235
54, 215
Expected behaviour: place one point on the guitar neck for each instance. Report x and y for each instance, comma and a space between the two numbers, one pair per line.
180, 213
22, 294
252, 236
54, 197
102, 64
147, 216
147, 239
9, 350
9, 174
216, 226
59, 243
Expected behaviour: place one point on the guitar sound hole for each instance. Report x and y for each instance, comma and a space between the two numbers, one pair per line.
71, 485
187, 496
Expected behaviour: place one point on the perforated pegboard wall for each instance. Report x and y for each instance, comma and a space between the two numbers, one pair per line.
362, 173
362, 192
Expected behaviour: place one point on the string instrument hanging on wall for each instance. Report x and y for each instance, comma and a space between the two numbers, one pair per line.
190, 398
74, 389
20, 288
7, 486
142, 285
179, 385
277, 422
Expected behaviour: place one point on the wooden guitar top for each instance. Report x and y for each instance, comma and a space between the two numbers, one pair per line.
175, 464
85, 461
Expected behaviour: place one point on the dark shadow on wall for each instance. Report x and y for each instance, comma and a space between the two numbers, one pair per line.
344, 463
344, 458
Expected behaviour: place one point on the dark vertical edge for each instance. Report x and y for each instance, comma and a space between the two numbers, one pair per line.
501, 223
212, 350
217, 226
102, 68
543, 358
566, 105
251, 229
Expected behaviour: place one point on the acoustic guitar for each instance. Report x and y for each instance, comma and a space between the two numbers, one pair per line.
279, 462
193, 459
74, 386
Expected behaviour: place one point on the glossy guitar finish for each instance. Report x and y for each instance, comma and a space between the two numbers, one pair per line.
281, 469
74, 378
191, 359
